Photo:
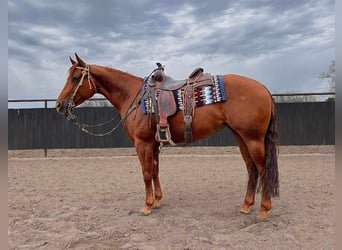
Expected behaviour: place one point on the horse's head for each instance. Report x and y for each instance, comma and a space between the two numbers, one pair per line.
79, 87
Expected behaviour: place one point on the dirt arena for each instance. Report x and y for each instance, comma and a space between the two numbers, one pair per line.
89, 199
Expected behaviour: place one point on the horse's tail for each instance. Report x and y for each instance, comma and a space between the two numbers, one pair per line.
270, 177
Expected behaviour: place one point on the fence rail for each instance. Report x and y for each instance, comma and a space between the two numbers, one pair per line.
46, 101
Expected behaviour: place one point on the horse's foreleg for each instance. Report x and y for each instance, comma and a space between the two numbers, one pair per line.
158, 195
145, 154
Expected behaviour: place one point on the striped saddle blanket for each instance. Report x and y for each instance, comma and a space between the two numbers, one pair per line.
204, 95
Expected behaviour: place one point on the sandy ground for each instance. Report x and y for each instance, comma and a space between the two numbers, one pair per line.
89, 199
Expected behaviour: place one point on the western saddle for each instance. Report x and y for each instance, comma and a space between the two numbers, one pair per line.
160, 89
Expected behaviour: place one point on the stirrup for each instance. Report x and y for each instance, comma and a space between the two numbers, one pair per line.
163, 134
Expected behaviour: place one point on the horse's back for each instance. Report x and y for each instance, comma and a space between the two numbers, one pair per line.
242, 85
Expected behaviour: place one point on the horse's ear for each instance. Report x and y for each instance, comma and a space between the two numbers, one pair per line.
72, 60
80, 61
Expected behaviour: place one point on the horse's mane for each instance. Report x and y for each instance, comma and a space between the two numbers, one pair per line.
122, 73
110, 70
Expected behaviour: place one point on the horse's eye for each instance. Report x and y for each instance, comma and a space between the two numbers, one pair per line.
76, 79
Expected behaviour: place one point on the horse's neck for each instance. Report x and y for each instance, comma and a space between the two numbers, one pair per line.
118, 87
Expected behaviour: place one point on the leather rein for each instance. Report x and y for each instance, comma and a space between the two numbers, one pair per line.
71, 104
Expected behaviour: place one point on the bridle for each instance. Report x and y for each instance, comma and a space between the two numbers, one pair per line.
85, 71
71, 102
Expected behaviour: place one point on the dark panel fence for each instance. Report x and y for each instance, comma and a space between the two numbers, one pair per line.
298, 124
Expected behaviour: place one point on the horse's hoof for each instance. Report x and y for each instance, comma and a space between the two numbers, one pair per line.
156, 205
262, 216
145, 211
245, 210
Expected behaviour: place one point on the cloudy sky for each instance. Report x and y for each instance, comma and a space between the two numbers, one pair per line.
285, 44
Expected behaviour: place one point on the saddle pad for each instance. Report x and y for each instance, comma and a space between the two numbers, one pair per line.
203, 95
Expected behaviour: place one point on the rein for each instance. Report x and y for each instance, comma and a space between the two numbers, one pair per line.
84, 127
133, 106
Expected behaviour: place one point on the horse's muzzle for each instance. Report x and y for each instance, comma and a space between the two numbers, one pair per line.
65, 108
59, 107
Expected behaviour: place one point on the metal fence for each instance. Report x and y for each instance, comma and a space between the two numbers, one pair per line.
280, 97
311, 123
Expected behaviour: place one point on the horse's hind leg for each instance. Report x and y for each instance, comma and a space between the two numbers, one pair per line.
252, 176
256, 150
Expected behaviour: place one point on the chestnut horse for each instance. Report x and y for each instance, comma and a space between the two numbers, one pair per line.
249, 112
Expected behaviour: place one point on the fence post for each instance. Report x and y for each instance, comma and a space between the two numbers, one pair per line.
45, 148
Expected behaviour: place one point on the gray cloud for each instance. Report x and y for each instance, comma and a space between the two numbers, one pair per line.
285, 44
